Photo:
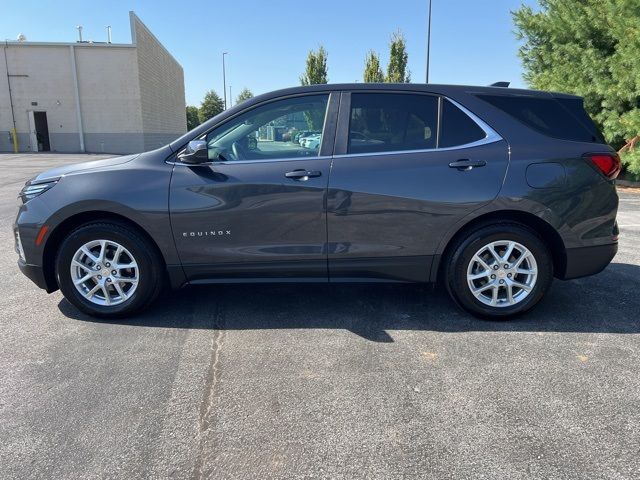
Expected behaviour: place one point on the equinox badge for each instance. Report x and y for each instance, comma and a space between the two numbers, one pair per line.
209, 233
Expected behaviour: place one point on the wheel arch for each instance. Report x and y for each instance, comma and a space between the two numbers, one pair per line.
69, 224
548, 234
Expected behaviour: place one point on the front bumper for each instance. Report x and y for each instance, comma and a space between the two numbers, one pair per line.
585, 261
34, 273
29, 221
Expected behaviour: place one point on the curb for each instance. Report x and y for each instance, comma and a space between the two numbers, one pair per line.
627, 183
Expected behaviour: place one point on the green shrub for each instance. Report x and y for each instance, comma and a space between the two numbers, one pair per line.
631, 160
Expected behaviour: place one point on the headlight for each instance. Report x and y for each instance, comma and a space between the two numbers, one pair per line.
32, 191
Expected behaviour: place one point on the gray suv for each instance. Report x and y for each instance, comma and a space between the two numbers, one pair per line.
491, 191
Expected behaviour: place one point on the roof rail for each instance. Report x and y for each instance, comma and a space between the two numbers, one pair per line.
501, 84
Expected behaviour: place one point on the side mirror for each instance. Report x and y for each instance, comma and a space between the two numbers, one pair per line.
197, 151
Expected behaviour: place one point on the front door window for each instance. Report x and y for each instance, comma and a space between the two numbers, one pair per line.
290, 128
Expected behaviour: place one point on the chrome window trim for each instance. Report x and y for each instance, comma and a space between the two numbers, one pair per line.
491, 136
240, 162
484, 141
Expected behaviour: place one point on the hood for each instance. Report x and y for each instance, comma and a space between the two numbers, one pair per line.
78, 167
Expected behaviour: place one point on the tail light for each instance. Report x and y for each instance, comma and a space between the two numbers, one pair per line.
606, 163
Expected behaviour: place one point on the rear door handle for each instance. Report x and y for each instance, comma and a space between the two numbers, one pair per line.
302, 174
466, 164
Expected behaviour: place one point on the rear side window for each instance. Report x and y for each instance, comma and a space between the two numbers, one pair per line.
549, 116
457, 128
575, 106
384, 122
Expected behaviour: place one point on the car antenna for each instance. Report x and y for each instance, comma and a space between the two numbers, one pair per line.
501, 84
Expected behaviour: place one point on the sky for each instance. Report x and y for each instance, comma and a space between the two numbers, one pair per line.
472, 41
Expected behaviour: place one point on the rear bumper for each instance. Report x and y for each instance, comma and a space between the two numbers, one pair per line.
585, 261
33, 273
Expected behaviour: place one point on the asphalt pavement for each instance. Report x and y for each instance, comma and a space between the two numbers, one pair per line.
308, 381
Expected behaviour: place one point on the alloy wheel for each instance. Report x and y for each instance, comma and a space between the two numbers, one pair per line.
502, 273
104, 272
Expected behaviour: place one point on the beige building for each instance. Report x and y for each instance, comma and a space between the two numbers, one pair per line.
91, 97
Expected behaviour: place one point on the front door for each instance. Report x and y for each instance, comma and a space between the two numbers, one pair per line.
257, 209
408, 166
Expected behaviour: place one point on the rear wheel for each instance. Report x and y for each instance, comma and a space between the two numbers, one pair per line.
499, 271
108, 270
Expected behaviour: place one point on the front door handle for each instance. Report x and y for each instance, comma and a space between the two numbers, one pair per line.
466, 164
302, 174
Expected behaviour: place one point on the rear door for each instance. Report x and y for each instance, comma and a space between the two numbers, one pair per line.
407, 167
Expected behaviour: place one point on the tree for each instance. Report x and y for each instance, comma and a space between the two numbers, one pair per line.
588, 48
211, 106
245, 94
192, 117
372, 70
397, 69
316, 69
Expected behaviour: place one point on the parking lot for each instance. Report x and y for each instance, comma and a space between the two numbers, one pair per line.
317, 381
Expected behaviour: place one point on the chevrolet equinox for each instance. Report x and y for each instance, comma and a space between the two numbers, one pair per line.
491, 191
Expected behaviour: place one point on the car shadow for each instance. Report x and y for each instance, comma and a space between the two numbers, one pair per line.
605, 303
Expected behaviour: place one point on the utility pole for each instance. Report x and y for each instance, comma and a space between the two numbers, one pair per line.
428, 40
224, 80
230, 98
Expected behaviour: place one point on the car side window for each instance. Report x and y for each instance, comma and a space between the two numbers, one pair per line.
383, 122
457, 128
286, 128
564, 119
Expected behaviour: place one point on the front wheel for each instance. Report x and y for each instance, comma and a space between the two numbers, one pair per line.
499, 271
108, 270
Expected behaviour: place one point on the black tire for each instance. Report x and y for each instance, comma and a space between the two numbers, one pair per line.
150, 266
463, 252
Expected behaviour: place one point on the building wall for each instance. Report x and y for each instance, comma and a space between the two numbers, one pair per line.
108, 90
163, 115
131, 96
110, 99
40, 75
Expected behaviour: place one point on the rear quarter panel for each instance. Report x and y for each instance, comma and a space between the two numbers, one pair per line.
581, 204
